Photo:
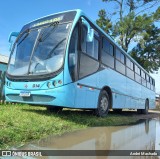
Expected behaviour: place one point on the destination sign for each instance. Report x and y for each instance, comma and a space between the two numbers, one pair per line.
48, 21
61, 18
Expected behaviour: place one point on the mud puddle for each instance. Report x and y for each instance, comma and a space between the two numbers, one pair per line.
97, 142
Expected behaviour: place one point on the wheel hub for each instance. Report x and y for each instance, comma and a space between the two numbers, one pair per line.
104, 103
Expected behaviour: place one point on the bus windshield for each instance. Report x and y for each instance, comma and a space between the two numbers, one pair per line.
39, 50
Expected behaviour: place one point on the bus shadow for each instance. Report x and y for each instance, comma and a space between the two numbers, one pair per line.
88, 117
67, 111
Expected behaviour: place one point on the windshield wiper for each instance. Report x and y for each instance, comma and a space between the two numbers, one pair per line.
41, 38
52, 51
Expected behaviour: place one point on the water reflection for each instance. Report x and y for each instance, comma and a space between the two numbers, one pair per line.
143, 136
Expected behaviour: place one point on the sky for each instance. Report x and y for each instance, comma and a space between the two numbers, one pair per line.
16, 13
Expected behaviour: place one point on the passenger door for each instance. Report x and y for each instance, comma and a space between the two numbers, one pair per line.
87, 70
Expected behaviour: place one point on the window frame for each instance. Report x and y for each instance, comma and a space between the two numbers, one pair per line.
121, 54
94, 38
122, 60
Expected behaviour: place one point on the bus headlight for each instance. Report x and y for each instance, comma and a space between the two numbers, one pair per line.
54, 83
49, 84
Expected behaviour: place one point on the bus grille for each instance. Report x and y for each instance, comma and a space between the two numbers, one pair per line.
32, 98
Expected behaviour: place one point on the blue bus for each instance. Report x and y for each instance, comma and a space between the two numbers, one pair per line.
64, 60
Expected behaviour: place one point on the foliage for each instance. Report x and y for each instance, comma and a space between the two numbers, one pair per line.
147, 51
156, 15
104, 22
158, 107
130, 27
130, 21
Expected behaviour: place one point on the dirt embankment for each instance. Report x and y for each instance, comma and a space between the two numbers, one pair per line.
151, 114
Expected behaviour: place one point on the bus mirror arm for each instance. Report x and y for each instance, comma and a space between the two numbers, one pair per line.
15, 34
90, 31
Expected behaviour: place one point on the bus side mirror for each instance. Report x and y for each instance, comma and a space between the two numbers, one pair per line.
90, 31
12, 34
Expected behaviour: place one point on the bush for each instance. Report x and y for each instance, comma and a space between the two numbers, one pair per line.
158, 107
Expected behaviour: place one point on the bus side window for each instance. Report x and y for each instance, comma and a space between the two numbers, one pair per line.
89, 55
107, 53
83, 39
73, 48
89, 48
106, 45
96, 47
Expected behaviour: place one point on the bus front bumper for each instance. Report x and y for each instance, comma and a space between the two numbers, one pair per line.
60, 96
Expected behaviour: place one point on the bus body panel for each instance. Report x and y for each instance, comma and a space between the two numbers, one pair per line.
61, 96
35, 85
108, 77
88, 95
126, 93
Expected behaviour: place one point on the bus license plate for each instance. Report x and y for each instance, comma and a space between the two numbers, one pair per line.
25, 94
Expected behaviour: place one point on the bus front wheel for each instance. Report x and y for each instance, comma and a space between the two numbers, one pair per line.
103, 104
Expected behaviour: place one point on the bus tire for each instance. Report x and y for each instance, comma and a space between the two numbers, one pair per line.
145, 111
54, 109
103, 104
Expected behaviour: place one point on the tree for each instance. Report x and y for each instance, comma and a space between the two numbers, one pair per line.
124, 7
131, 27
104, 22
147, 51
131, 19
156, 15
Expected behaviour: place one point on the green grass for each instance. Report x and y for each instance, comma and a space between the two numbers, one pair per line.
23, 123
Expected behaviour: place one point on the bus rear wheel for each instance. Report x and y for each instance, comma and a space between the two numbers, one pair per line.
145, 111
54, 109
103, 104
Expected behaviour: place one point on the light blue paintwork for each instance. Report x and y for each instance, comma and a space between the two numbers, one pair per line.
15, 34
12, 34
125, 92
3, 68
